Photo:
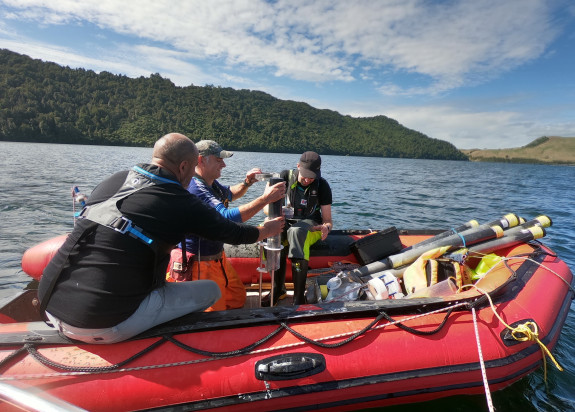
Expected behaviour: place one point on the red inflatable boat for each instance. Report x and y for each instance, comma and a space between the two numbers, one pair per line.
325, 355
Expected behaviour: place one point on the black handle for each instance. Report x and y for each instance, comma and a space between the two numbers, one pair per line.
289, 366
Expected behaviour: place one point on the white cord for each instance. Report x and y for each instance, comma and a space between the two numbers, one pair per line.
482, 363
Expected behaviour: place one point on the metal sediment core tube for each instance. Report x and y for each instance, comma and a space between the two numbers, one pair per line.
273, 245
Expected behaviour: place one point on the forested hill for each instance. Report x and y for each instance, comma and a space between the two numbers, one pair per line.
45, 102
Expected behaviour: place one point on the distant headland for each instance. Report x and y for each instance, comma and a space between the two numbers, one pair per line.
545, 150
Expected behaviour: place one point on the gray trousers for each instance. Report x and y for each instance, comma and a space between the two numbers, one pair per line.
298, 239
162, 305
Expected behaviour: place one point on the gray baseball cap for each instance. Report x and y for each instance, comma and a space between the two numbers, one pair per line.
209, 147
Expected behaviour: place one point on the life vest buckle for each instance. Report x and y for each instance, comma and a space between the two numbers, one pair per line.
121, 224
124, 225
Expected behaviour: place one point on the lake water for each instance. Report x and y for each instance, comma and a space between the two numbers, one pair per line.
36, 204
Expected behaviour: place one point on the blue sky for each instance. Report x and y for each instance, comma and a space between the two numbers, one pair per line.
476, 73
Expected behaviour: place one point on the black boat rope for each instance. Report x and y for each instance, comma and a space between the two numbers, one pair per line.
12, 356
420, 332
31, 348
333, 345
236, 352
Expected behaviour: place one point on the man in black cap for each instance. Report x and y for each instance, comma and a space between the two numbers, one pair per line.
310, 196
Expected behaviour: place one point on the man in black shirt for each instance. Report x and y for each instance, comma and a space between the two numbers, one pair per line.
107, 282
309, 194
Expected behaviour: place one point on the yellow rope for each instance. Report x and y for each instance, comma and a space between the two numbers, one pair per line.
527, 331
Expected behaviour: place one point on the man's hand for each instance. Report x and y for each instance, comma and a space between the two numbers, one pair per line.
323, 228
274, 193
271, 227
251, 175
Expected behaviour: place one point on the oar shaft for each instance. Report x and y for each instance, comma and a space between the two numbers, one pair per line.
468, 225
507, 221
465, 238
511, 238
543, 221
533, 229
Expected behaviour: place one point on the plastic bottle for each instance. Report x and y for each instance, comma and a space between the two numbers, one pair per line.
342, 288
446, 287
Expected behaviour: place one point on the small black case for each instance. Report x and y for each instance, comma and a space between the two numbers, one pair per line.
377, 246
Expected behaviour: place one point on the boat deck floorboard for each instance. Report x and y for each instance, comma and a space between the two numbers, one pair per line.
253, 299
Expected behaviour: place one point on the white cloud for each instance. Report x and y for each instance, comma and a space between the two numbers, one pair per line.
131, 61
169, 63
61, 55
326, 40
480, 129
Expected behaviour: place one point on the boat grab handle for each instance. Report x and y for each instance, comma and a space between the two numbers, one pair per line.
289, 366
